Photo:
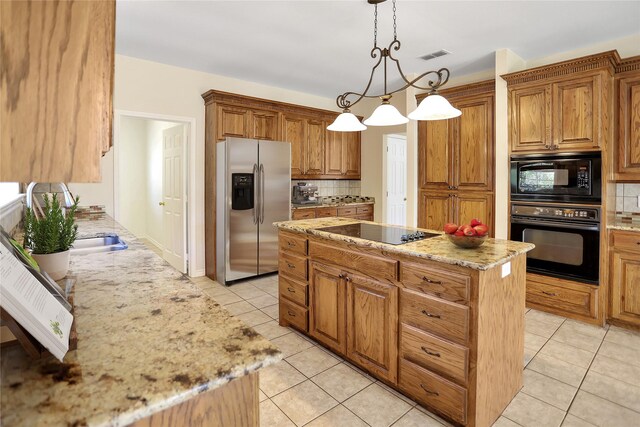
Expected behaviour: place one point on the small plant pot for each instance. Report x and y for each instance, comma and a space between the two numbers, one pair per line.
55, 265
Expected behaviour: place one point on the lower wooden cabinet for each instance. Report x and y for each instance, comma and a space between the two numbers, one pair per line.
372, 325
363, 212
327, 297
563, 297
624, 278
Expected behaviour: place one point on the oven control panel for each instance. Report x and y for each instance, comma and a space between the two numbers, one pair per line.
565, 212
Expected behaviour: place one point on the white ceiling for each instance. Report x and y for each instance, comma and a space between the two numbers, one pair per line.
322, 47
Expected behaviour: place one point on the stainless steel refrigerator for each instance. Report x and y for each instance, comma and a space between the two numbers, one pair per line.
253, 186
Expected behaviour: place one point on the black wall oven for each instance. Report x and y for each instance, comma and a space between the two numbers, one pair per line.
567, 240
562, 178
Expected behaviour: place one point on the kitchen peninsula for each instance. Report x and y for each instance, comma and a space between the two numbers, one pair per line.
152, 349
442, 324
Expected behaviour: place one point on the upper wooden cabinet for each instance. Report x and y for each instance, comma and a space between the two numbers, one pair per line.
458, 153
316, 153
628, 135
56, 89
437, 208
563, 106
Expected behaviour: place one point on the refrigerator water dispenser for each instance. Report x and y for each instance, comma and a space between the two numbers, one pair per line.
241, 191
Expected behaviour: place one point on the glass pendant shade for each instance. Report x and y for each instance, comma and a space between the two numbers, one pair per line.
346, 122
434, 107
386, 115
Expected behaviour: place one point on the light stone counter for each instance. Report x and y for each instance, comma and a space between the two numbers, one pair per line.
491, 254
148, 339
624, 224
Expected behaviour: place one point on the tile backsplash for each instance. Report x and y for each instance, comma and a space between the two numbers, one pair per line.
328, 187
627, 197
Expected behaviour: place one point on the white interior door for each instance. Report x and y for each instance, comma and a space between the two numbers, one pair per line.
174, 196
396, 193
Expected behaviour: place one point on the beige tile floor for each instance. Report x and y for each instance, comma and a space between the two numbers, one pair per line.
575, 375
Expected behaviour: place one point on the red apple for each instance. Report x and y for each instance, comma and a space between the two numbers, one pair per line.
481, 229
475, 222
450, 228
470, 232
458, 233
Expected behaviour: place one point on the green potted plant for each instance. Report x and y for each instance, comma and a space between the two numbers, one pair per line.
50, 237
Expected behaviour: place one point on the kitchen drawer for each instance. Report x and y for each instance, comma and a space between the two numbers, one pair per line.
326, 212
347, 211
292, 243
292, 265
443, 318
365, 217
446, 358
579, 301
293, 290
361, 210
433, 391
294, 315
303, 213
443, 284
625, 240
369, 265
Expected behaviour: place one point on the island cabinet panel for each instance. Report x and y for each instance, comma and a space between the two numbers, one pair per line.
327, 306
294, 315
372, 325
56, 89
624, 278
433, 281
292, 243
293, 286
294, 290
293, 265
628, 141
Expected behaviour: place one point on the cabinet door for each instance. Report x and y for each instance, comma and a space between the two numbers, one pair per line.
265, 125
434, 210
473, 144
625, 286
628, 166
530, 118
372, 326
232, 122
435, 156
351, 154
474, 205
314, 149
294, 132
576, 120
334, 154
327, 296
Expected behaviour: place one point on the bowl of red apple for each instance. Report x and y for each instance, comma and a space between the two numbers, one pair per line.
467, 236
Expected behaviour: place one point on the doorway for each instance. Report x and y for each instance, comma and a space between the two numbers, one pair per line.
151, 183
395, 179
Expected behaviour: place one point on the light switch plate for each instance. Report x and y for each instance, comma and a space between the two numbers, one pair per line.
506, 269
639, 201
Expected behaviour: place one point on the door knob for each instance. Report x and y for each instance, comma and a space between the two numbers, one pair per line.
161, 203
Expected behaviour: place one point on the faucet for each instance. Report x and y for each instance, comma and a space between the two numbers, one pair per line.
35, 190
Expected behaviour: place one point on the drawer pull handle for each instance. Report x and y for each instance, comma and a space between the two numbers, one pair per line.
291, 265
341, 276
347, 278
426, 313
435, 282
291, 244
430, 353
293, 291
290, 313
432, 393
551, 294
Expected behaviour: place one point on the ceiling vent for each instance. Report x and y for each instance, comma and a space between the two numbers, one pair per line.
432, 55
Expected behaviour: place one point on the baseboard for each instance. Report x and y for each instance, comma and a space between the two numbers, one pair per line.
154, 241
197, 273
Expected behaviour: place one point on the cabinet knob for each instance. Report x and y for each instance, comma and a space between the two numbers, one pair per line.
347, 278
547, 146
160, 203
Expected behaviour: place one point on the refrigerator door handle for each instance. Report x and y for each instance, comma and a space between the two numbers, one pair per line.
261, 193
256, 195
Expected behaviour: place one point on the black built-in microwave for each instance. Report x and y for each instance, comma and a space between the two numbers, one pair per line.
566, 177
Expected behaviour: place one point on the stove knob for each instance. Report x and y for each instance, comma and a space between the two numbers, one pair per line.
404, 238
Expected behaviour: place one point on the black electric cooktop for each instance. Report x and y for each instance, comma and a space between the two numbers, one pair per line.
379, 233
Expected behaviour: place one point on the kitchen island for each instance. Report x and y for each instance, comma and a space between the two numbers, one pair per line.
153, 349
443, 325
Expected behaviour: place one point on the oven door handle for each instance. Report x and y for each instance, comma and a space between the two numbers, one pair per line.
575, 226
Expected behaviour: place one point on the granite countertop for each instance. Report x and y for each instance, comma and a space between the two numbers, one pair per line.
148, 339
339, 201
625, 224
494, 252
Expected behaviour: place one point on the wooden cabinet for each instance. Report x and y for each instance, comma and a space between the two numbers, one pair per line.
364, 212
372, 325
56, 90
265, 125
327, 297
436, 208
624, 278
294, 131
562, 107
293, 288
563, 297
343, 154
628, 135
232, 122
315, 147
435, 155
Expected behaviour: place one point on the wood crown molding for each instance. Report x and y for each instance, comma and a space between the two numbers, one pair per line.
629, 64
212, 96
479, 88
608, 60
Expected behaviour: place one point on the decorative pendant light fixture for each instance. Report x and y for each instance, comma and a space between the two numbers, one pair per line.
433, 107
